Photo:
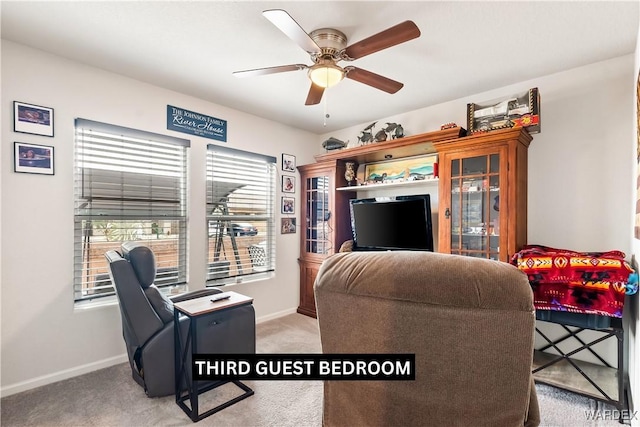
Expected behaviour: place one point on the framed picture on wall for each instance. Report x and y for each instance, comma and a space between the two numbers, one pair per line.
288, 184
288, 205
288, 163
287, 225
33, 119
32, 158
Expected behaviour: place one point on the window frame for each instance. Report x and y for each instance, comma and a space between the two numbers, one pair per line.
107, 163
243, 260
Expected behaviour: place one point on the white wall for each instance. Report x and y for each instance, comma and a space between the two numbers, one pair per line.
581, 174
43, 338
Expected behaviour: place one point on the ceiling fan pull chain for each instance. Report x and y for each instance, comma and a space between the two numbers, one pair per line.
326, 115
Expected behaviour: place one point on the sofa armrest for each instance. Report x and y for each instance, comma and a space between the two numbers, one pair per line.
194, 294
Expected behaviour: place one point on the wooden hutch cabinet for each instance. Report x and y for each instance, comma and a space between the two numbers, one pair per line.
325, 220
483, 194
323, 226
482, 206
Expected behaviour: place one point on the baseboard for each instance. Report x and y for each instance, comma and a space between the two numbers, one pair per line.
94, 366
273, 316
61, 375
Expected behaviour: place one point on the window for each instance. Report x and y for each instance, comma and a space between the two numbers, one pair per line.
240, 215
128, 185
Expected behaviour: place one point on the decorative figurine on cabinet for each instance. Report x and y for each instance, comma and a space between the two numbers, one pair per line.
366, 135
391, 131
394, 130
381, 135
333, 144
350, 173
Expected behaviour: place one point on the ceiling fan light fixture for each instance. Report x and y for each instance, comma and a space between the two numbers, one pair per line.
326, 75
328, 46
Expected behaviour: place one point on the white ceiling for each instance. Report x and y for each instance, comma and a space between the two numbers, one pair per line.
193, 47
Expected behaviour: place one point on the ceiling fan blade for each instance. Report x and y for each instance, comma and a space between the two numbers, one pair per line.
269, 70
315, 95
292, 29
397, 34
373, 79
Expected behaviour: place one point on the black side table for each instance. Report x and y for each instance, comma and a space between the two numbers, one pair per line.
196, 309
601, 382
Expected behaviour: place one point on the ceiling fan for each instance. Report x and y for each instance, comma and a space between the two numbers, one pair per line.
327, 47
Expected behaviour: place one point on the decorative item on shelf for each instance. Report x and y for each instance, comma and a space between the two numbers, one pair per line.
350, 173
449, 125
486, 126
381, 135
375, 179
391, 131
522, 110
394, 130
407, 169
333, 144
366, 135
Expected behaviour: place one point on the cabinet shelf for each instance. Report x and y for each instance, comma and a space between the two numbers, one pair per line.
373, 187
490, 190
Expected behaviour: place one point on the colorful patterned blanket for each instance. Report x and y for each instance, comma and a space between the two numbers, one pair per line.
579, 282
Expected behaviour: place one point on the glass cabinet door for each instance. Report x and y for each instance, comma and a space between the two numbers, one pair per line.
475, 206
317, 238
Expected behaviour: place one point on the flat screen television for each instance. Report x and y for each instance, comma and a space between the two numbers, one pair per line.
396, 223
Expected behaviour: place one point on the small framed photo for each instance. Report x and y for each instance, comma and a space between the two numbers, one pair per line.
288, 184
288, 163
287, 225
32, 158
288, 205
33, 119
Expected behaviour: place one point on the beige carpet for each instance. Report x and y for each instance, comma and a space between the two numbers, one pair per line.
110, 397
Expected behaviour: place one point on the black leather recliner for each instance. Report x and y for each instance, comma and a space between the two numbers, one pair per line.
147, 321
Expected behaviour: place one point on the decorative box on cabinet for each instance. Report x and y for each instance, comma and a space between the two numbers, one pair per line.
323, 226
483, 194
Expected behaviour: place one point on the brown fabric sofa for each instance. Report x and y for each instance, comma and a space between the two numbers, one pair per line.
469, 321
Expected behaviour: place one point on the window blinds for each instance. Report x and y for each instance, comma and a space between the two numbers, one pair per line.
240, 213
128, 185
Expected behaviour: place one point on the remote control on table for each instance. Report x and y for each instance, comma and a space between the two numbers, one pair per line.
220, 297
